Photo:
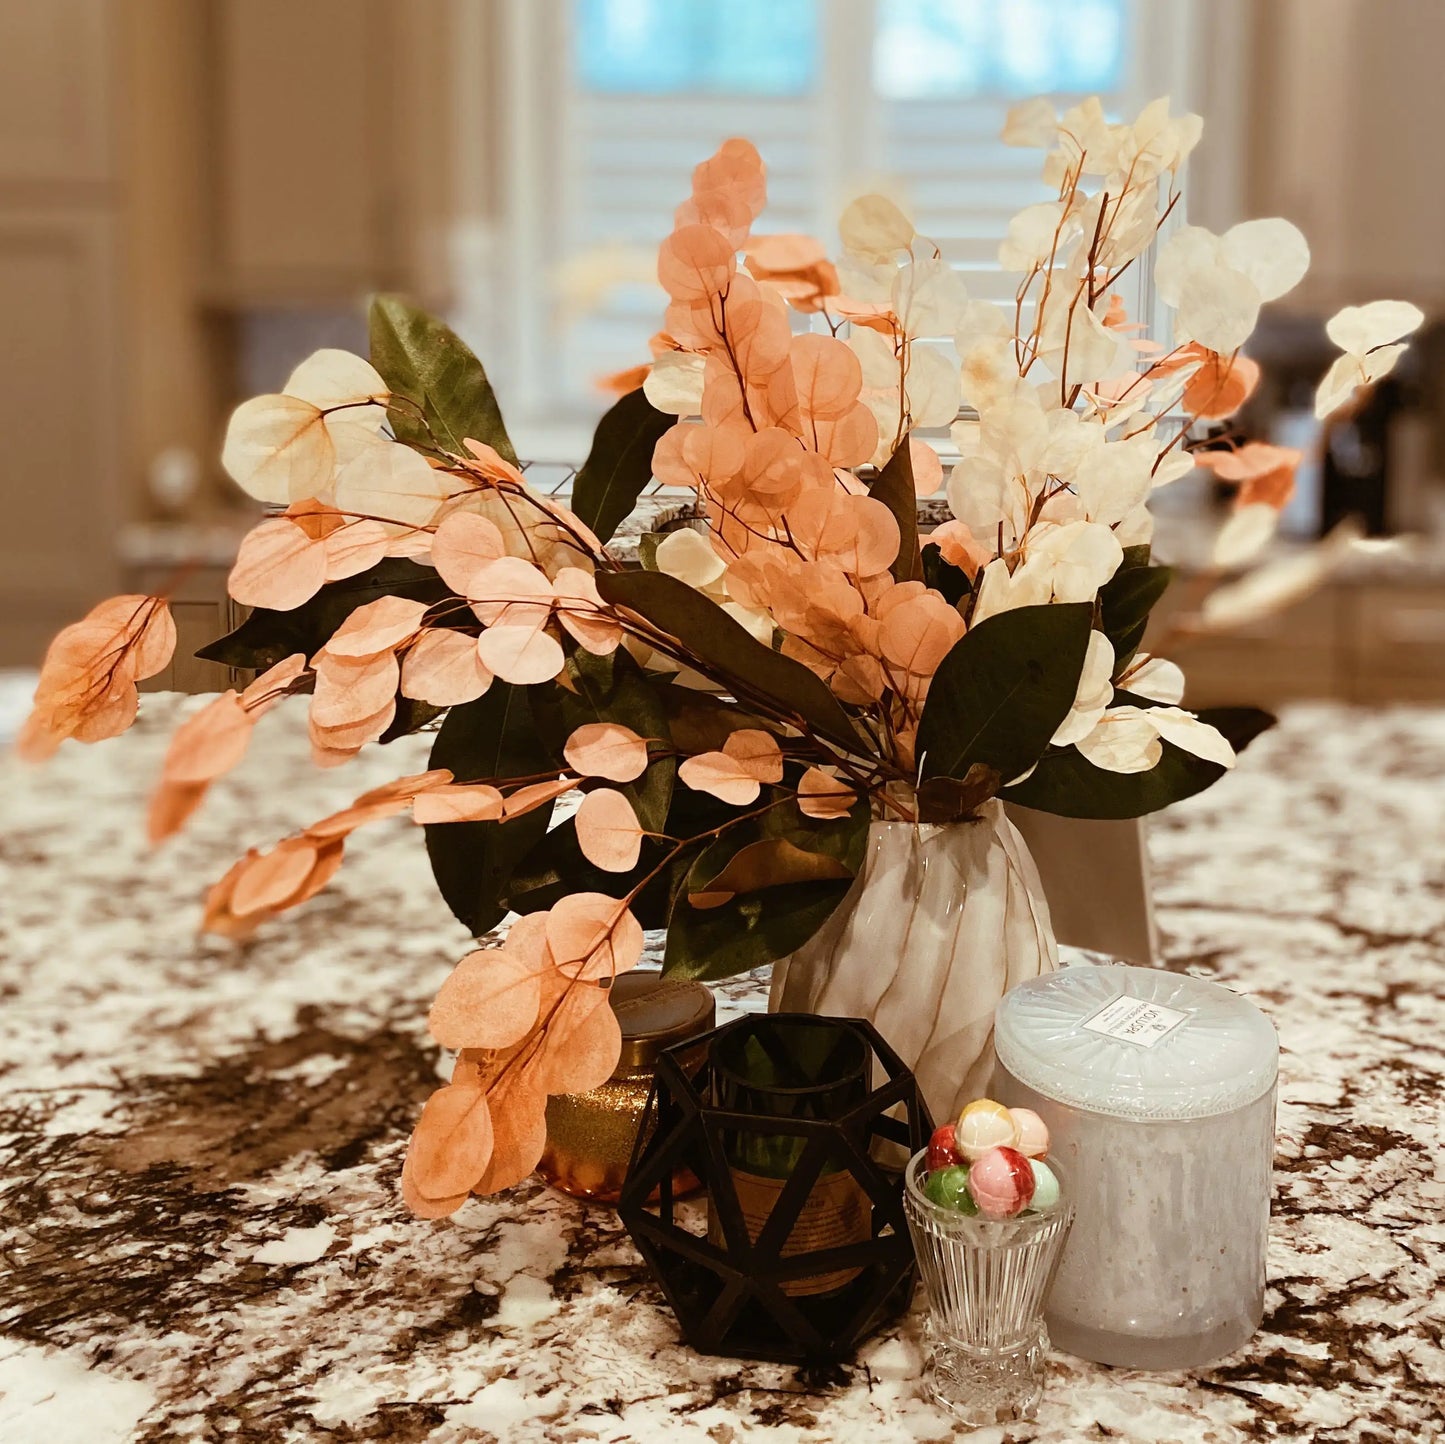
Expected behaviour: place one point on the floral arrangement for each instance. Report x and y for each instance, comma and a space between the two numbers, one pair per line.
730, 713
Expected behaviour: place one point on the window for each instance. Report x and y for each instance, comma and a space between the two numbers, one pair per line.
928, 49
612, 102
657, 47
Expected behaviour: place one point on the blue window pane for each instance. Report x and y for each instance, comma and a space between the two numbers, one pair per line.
657, 47
926, 49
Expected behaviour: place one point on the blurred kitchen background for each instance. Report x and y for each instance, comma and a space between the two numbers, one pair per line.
194, 194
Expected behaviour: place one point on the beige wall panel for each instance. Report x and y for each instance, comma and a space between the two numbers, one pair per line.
55, 91
1345, 114
57, 476
175, 375
301, 121
1396, 208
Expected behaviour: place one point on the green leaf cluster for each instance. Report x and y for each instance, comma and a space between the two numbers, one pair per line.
619, 465
1000, 695
440, 393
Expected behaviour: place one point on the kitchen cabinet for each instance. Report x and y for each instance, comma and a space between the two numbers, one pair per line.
332, 139
1366, 639
60, 473
1345, 111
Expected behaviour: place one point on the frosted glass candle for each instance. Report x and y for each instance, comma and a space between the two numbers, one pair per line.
1158, 1091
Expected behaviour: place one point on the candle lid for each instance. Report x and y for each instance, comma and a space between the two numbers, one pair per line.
656, 1012
1136, 1042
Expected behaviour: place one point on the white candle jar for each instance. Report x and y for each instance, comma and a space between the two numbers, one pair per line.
1158, 1091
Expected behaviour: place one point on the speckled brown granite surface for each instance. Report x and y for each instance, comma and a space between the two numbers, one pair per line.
199, 1231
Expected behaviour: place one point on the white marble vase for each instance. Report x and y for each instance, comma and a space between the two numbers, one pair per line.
941, 922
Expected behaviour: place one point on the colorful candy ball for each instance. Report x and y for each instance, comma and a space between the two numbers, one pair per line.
983, 1125
948, 1188
943, 1148
1046, 1186
1033, 1133
1001, 1182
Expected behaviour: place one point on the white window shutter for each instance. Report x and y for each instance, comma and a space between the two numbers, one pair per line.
597, 174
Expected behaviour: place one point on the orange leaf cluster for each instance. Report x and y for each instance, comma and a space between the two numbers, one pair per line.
782, 419
515, 600
735, 774
797, 267
87, 687
780, 412
285, 560
1264, 473
824, 796
357, 677
1220, 386
530, 1018
606, 749
263, 884
212, 742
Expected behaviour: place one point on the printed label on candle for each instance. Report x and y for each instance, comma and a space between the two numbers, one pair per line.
1135, 1021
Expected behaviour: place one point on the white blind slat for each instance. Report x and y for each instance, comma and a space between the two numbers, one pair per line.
622, 162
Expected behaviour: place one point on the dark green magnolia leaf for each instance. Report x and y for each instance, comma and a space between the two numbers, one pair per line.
265, 637
1001, 692
493, 737
750, 930
1126, 600
647, 545
844, 838
893, 486
768, 862
1067, 784
423, 360
411, 716
1240, 725
751, 669
699, 722
695, 816
838, 844
619, 464
943, 576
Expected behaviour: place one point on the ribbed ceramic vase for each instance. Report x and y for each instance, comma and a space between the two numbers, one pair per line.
941, 922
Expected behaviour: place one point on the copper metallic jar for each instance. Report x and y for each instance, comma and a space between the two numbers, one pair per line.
590, 1136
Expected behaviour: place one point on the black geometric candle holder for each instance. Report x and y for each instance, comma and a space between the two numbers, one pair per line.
798, 1248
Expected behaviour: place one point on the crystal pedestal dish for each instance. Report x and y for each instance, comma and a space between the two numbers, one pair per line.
987, 1282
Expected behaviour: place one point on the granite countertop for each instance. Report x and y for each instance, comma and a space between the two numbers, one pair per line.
200, 1235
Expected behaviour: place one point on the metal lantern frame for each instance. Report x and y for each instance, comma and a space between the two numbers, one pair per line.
729, 1298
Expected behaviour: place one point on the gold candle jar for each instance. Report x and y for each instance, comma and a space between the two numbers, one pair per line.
590, 1136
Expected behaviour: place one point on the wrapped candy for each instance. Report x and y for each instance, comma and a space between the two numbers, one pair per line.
1033, 1139
1046, 1186
948, 1188
991, 1162
983, 1125
943, 1148
1001, 1182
